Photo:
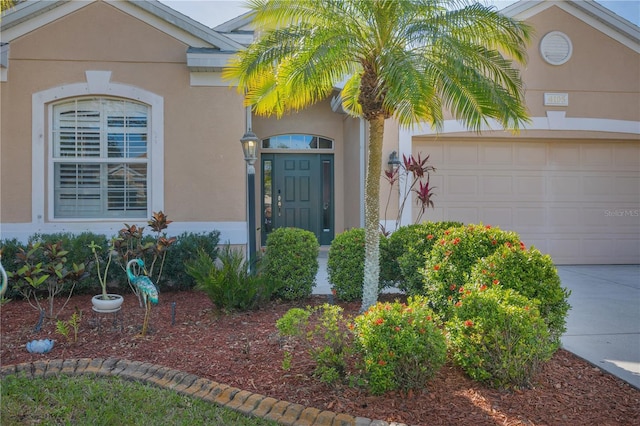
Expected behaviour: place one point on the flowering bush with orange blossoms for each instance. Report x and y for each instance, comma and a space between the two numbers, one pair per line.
448, 265
533, 275
497, 336
408, 249
402, 345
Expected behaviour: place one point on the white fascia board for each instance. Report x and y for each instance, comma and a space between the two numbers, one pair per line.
522, 8
243, 38
239, 23
208, 61
4, 55
27, 19
4, 61
610, 19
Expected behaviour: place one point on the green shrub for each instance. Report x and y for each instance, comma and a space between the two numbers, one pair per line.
291, 260
388, 272
78, 252
345, 265
323, 332
44, 269
408, 249
231, 286
498, 336
452, 257
533, 275
185, 248
402, 345
8, 250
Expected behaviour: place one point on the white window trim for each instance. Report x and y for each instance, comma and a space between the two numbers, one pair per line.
98, 84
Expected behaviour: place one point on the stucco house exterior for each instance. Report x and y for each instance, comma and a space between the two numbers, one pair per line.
114, 109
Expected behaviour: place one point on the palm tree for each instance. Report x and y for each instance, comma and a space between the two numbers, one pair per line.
7, 4
402, 59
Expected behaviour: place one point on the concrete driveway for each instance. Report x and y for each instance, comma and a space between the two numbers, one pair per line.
603, 325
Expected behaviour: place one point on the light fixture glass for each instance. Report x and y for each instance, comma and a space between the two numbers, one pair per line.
394, 162
249, 147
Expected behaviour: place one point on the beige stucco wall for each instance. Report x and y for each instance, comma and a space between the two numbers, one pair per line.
353, 171
601, 78
204, 167
389, 195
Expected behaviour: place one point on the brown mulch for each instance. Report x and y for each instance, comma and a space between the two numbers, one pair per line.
243, 350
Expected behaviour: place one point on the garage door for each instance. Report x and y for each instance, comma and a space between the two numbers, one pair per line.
577, 201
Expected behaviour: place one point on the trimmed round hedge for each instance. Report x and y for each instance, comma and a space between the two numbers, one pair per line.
452, 257
533, 275
408, 249
345, 265
291, 261
497, 336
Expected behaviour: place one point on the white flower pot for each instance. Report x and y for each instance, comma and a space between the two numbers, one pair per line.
112, 304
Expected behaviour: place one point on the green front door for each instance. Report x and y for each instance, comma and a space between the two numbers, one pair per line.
297, 191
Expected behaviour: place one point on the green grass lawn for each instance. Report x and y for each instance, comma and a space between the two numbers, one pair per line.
89, 400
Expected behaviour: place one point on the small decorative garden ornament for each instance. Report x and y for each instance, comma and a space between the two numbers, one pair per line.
146, 288
40, 346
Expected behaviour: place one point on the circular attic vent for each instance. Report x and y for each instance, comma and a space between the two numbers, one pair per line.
556, 48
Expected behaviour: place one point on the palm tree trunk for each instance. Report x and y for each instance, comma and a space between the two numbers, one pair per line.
372, 214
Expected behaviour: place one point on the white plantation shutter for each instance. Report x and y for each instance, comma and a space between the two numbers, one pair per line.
100, 159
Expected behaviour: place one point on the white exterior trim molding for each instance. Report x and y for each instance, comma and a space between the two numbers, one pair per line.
98, 83
554, 121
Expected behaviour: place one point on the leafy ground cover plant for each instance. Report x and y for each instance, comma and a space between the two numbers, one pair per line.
291, 260
453, 256
408, 249
497, 336
230, 286
402, 345
345, 265
323, 332
533, 275
64, 327
43, 269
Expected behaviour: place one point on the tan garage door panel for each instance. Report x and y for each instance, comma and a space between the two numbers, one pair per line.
577, 201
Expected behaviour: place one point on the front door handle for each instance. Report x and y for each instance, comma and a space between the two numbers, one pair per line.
279, 204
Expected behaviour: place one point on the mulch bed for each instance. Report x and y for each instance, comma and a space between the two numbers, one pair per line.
245, 351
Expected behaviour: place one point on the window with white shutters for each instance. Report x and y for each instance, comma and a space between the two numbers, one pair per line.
100, 159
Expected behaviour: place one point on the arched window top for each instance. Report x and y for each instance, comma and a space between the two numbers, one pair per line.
297, 141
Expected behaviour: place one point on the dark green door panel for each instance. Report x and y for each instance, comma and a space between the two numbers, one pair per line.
297, 191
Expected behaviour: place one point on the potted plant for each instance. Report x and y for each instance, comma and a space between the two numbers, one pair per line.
104, 302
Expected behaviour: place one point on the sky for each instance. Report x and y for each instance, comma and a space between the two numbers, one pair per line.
215, 12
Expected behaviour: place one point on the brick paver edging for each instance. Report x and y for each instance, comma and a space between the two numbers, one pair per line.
252, 404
